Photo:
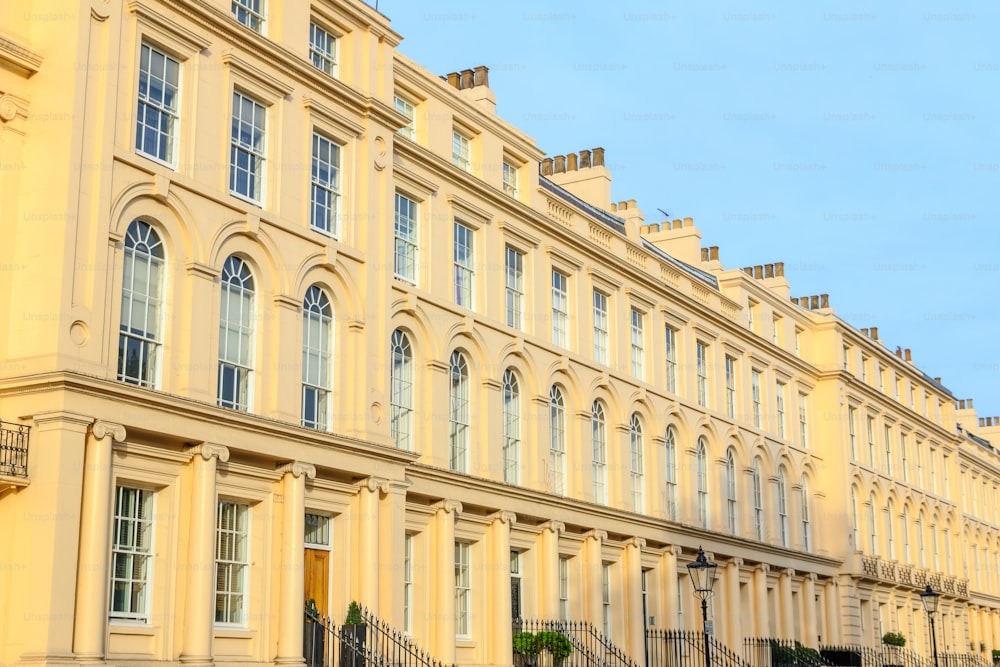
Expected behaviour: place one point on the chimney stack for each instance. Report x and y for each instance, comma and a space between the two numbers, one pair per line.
906, 355
560, 165
713, 253
824, 300
584, 159
874, 331
598, 154
547, 167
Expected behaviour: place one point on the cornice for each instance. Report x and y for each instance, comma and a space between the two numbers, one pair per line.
19, 56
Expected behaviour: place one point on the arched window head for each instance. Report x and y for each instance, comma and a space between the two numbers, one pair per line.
317, 358
782, 507
401, 390
140, 337
804, 513
236, 335
671, 473
704, 516
758, 499
599, 445
458, 402
732, 517
511, 428
636, 446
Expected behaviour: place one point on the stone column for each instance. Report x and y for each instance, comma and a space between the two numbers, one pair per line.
199, 603
447, 514
785, 610
732, 612
95, 537
367, 524
761, 613
635, 624
832, 615
292, 572
500, 630
593, 561
668, 563
809, 625
548, 569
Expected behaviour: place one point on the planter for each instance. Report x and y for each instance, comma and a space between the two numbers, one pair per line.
352, 645
525, 659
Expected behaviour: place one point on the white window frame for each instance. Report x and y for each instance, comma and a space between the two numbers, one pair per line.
401, 390
804, 514
317, 358
510, 179
601, 337
405, 235
606, 599
514, 287
599, 443
464, 262
670, 356
408, 584
779, 403
563, 588
252, 14
255, 151
804, 419
701, 354
701, 472
637, 472
637, 319
557, 441
782, 507
164, 112
463, 590
140, 330
324, 187
133, 545
560, 308
732, 508
461, 151
233, 571
459, 418
408, 109
238, 363
670, 441
758, 499
318, 535
511, 396
755, 398
323, 49
852, 416
730, 387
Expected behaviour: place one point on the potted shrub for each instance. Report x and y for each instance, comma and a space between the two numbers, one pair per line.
352, 639
556, 643
525, 649
781, 654
996, 656
894, 639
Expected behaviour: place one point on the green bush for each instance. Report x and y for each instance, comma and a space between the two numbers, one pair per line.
556, 643
894, 639
525, 643
353, 614
996, 655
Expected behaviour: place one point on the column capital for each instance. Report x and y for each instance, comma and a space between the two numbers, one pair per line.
504, 516
208, 451
557, 527
788, 572
672, 550
449, 506
762, 567
811, 576
596, 534
102, 429
374, 484
737, 561
297, 469
637, 542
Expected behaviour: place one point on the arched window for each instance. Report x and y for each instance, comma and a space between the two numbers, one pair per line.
236, 335
921, 558
401, 390
317, 358
890, 534
782, 507
872, 531
702, 483
671, 442
731, 514
458, 413
804, 513
140, 337
636, 450
758, 500
599, 441
557, 441
511, 428
905, 525
934, 548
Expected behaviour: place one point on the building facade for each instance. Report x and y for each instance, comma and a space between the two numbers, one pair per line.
288, 318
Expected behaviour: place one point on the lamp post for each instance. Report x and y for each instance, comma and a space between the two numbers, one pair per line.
702, 573
930, 599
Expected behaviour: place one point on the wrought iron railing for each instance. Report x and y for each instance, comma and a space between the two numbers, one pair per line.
395, 647
14, 449
853, 655
684, 648
326, 644
590, 647
962, 660
773, 652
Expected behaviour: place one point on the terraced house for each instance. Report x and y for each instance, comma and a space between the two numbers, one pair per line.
290, 321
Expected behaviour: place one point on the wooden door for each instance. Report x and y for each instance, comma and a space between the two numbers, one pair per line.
317, 576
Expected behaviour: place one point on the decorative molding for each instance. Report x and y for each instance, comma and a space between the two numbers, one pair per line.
102, 429
762, 567
468, 212
12, 106
737, 561
297, 469
597, 534
374, 484
146, 15
449, 506
557, 527
504, 516
208, 450
324, 113
637, 542
19, 56
274, 87
203, 270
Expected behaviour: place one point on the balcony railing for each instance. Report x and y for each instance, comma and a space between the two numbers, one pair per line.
892, 572
13, 449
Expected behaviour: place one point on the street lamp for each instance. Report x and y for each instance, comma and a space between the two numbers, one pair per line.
702, 573
930, 599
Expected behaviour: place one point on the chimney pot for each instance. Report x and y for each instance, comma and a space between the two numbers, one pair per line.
875, 333
969, 403
482, 77
769, 270
713, 252
779, 269
906, 355
864, 331
467, 77
824, 300
689, 222
453, 79
632, 204
704, 254
547, 167
677, 224
813, 302
571, 162
614, 207
598, 157
748, 270
758, 271
961, 404
560, 164
623, 205
584, 159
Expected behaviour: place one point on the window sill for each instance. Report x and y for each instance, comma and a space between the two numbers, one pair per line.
232, 633
125, 627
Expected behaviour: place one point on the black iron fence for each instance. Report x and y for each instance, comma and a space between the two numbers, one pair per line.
393, 646
772, 652
326, 644
548, 643
894, 656
14, 449
685, 648
961, 660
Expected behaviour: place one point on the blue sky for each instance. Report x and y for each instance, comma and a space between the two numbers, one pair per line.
858, 143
